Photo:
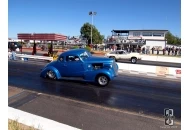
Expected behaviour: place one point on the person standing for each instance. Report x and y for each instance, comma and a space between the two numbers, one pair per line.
157, 51
164, 51
21, 49
176, 50
153, 50
34, 49
12, 48
169, 49
172, 50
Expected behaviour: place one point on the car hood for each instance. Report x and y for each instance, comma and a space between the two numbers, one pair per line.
94, 59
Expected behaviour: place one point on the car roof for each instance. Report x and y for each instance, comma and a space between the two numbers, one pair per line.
73, 51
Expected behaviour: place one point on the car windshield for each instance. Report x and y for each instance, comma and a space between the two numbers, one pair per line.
85, 54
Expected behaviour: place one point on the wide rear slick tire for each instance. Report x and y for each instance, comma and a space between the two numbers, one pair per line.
102, 80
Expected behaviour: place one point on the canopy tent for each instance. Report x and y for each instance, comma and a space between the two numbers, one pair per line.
42, 37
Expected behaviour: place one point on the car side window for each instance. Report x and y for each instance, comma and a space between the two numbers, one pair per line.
72, 58
113, 52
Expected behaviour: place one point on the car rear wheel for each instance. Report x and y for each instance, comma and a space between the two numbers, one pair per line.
102, 80
134, 60
51, 74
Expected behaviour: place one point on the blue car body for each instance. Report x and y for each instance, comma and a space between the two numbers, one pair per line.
79, 63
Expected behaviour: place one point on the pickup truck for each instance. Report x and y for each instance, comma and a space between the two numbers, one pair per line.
123, 55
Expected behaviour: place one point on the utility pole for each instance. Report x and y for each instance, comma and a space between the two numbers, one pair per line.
91, 13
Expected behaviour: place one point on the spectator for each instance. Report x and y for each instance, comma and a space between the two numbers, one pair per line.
169, 49
12, 48
153, 50
50, 52
172, 50
34, 49
164, 51
147, 50
143, 50
157, 51
21, 49
127, 49
176, 50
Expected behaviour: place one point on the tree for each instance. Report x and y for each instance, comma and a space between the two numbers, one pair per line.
173, 40
85, 31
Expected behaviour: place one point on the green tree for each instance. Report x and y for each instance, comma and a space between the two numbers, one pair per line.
85, 31
169, 37
173, 40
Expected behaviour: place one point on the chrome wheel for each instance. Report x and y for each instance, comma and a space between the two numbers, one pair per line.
133, 60
102, 80
51, 74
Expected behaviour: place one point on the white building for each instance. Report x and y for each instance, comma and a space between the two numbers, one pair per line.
143, 38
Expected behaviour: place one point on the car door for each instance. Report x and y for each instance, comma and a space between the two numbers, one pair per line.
75, 66
120, 54
117, 55
61, 66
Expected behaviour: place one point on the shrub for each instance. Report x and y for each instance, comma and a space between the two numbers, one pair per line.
88, 48
75, 47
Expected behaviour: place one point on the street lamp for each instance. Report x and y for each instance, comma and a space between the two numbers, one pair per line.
92, 14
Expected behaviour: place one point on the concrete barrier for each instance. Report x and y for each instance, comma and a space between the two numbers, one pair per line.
152, 70
161, 58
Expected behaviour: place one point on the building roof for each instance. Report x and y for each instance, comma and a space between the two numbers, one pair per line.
127, 31
42, 36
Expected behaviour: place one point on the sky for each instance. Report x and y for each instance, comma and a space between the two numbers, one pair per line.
67, 16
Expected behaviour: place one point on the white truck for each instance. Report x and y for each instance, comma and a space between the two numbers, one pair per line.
123, 55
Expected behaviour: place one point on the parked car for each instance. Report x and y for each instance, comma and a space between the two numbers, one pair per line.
123, 55
80, 64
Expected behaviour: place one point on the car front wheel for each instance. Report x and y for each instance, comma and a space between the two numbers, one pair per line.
134, 60
102, 80
51, 74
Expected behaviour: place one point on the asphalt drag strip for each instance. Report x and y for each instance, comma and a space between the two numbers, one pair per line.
86, 116
127, 93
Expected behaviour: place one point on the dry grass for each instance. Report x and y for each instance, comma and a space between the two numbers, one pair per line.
14, 125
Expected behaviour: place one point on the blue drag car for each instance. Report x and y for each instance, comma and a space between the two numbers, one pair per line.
80, 64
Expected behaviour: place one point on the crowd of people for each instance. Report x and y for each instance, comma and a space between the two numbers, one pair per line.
174, 51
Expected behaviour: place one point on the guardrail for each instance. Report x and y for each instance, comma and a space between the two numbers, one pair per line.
161, 58
151, 70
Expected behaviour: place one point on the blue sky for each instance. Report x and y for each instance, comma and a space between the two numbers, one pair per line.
67, 16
